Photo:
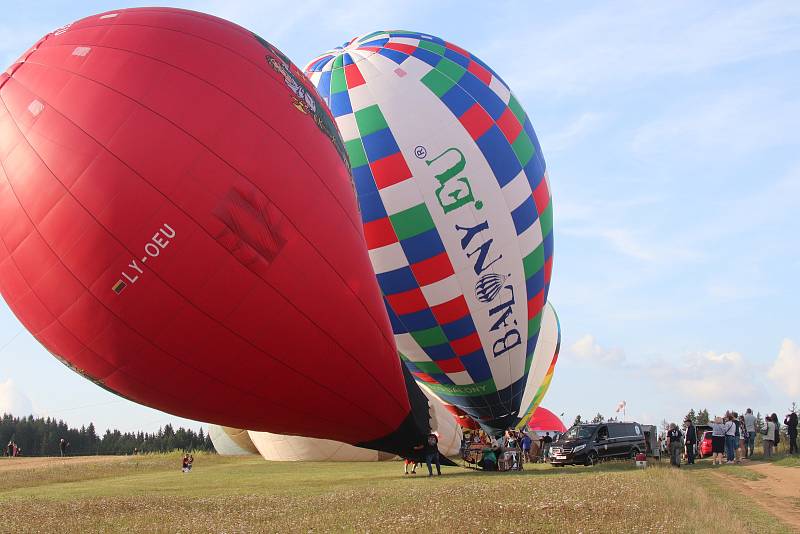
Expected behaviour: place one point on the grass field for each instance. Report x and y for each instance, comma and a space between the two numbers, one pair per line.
223, 494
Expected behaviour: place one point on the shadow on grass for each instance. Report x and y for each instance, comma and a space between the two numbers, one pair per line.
546, 470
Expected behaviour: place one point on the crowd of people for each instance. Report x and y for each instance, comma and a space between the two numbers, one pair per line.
733, 437
506, 453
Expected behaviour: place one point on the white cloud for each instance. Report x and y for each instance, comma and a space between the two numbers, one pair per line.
572, 132
709, 377
623, 44
785, 371
588, 350
739, 123
13, 400
634, 243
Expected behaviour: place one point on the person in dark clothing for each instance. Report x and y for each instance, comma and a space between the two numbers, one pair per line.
674, 438
690, 441
791, 428
489, 459
62, 445
431, 451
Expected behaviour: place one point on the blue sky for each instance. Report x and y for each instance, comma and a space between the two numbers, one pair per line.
670, 133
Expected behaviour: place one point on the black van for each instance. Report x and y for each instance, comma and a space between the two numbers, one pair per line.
586, 444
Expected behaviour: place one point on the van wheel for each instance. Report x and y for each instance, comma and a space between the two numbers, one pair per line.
591, 458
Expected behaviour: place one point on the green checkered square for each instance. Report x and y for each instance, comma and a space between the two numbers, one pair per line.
437, 82
517, 110
412, 221
429, 338
355, 151
534, 324
338, 81
436, 48
533, 262
523, 148
428, 367
451, 69
370, 120
546, 218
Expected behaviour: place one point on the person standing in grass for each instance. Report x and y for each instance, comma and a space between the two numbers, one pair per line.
769, 437
674, 445
690, 441
744, 436
717, 440
750, 427
412, 463
791, 428
737, 455
777, 430
526, 447
432, 455
730, 438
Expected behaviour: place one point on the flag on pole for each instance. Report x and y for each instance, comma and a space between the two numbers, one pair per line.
620, 406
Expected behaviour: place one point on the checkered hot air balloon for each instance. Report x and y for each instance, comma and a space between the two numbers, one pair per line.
456, 209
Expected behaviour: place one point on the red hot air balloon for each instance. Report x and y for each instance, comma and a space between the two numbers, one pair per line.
178, 225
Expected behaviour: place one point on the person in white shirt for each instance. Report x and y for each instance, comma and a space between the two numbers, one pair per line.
769, 437
717, 440
750, 426
730, 438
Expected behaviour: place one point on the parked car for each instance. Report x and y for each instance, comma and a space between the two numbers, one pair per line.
704, 446
589, 443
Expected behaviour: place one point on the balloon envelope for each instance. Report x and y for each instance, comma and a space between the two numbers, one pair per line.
278, 447
178, 225
544, 364
231, 441
456, 209
282, 448
544, 420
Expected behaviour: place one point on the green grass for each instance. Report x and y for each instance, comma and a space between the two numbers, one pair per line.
149, 493
788, 461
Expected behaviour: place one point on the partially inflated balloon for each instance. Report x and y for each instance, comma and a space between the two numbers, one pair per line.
282, 448
543, 420
456, 210
231, 441
178, 224
544, 364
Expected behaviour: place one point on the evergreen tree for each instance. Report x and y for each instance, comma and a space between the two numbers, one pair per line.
702, 417
577, 420
691, 416
598, 418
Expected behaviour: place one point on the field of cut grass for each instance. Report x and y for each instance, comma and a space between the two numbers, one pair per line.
222, 494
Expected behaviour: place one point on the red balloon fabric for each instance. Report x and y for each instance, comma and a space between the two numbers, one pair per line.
178, 225
464, 421
544, 420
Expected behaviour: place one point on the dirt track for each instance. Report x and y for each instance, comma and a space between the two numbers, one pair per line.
778, 492
12, 464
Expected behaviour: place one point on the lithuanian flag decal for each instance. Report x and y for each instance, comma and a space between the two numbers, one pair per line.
119, 286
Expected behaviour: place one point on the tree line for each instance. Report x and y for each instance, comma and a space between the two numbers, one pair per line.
42, 437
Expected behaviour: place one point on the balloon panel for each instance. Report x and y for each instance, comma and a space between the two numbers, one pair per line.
282, 448
177, 224
545, 358
231, 441
544, 420
456, 209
